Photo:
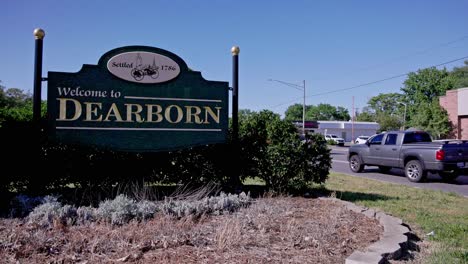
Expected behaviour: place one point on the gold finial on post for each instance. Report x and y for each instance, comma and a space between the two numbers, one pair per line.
235, 50
39, 33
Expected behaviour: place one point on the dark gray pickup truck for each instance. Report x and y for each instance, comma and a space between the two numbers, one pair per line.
413, 151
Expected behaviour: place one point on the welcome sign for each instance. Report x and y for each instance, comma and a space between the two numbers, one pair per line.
137, 98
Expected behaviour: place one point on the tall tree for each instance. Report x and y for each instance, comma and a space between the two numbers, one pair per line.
15, 105
3, 98
385, 109
460, 76
293, 113
389, 122
424, 86
327, 112
389, 104
342, 114
367, 115
432, 118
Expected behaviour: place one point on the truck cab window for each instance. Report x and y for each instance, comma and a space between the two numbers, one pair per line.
391, 139
377, 140
416, 137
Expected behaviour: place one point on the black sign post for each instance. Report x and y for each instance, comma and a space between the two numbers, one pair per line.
235, 180
39, 35
235, 94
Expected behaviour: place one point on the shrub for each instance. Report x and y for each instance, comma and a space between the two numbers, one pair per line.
272, 150
145, 210
122, 209
85, 215
45, 214
118, 211
214, 205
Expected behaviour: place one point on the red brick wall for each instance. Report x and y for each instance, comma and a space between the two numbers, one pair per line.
450, 103
463, 125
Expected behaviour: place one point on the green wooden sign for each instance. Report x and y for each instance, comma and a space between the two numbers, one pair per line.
137, 98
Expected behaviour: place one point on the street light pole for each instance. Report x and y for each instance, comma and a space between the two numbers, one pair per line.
298, 87
404, 115
303, 108
404, 119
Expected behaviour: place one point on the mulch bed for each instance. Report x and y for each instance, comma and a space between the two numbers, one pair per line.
271, 230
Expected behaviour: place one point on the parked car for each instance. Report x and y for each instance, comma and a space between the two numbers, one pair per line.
361, 139
338, 141
412, 151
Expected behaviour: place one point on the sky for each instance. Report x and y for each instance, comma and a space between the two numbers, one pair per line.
340, 50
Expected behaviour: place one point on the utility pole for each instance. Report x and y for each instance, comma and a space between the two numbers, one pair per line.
303, 108
301, 88
404, 116
352, 123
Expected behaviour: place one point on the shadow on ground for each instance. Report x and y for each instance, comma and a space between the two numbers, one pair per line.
350, 196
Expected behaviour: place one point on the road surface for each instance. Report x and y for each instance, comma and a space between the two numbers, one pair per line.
434, 182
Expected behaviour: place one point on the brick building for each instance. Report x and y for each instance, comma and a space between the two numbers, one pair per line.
456, 104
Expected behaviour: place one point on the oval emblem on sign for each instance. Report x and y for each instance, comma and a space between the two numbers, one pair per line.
143, 67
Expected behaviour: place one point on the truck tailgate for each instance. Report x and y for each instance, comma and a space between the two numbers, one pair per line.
455, 151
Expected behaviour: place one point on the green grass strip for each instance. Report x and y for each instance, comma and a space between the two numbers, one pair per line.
423, 210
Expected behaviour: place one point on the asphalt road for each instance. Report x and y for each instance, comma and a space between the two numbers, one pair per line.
434, 182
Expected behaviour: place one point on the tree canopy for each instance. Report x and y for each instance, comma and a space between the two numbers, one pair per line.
385, 109
318, 112
15, 104
460, 76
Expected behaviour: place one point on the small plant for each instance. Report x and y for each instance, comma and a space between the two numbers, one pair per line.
85, 215
146, 210
117, 211
45, 214
214, 205
123, 209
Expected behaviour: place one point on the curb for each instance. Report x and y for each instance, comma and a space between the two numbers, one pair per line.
393, 244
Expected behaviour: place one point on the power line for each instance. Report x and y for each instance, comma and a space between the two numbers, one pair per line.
369, 83
285, 103
386, 79
416, 53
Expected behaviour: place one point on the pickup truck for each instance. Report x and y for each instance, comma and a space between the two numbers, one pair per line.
412, 151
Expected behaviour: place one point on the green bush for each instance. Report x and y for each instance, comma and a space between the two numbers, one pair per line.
271, 149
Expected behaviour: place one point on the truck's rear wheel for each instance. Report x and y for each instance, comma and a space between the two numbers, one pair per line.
355, 164
414, 171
